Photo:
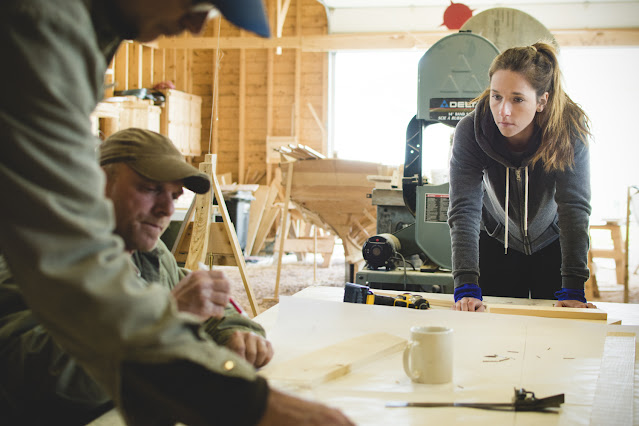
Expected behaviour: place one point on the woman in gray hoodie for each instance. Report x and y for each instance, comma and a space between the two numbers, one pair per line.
520, 187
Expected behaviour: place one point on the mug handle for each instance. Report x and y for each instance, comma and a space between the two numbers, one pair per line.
407, 364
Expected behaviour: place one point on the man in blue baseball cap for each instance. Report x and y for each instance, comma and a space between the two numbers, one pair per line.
145, 20
56, 232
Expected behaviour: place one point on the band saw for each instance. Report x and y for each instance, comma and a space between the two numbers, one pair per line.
452, 73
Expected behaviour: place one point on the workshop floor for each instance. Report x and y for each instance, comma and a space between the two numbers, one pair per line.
294, 276
297, 275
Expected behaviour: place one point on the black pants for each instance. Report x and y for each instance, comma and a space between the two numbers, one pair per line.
515, 274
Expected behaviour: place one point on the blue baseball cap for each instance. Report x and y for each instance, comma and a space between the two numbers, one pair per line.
247, 14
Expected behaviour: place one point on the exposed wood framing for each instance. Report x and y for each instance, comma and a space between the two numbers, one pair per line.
148, 64
122, 67
282, 10
158, 72
406, 40
255, 93
242, 118
215, 95
297, 122
135, 66
325, 102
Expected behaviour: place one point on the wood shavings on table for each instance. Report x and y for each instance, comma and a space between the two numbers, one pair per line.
496, 358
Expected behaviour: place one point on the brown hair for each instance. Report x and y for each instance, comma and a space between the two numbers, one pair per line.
562, 121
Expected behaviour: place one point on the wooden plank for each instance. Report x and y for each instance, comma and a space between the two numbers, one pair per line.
181, 235
549, 312
122, 67
255, 215
297, 106
170, 70
310, 244
242, 117
219, 244
135, 66
336, 360
325, 193
323, 93
269, 215
232, 237
421, 40
201, 224
264, 228
613, 402
213, 142
448, 303
148, 66
159, 59
180, 76
332, 165
283, 229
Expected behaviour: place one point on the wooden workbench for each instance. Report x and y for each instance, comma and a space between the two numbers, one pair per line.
493, 355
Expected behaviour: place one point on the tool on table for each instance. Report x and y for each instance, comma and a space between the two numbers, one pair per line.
407, 300
522, 401
356, 293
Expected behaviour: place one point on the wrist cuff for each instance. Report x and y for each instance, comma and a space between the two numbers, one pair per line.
571, 294
468, 290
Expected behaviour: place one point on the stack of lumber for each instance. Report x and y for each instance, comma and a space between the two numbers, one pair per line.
392, 181
299, 152
122, 112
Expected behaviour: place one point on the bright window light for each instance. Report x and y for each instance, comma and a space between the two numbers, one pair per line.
604, 82
375, 96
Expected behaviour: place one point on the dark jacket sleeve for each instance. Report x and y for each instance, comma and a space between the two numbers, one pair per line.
466, 195
573, 208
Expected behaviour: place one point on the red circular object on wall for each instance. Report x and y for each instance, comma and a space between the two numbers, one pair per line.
456, 15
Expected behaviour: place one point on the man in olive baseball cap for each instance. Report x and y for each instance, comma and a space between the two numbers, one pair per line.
153, 156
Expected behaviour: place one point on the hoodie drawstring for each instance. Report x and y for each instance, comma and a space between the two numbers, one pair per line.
526, 204
506, 220
506, 209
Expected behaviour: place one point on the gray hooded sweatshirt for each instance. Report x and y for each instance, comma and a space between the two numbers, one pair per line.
488, 184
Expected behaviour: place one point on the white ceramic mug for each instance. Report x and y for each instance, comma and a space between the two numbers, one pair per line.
428, 358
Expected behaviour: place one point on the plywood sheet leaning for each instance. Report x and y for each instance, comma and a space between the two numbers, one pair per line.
336, 360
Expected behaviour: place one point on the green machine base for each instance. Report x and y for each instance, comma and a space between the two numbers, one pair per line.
429, 282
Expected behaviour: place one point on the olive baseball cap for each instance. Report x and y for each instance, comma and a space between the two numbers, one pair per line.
247, 14
153, 156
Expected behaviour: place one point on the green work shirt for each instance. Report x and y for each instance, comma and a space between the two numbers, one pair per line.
36, 372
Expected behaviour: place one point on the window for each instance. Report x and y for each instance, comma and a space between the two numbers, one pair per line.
375, 96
